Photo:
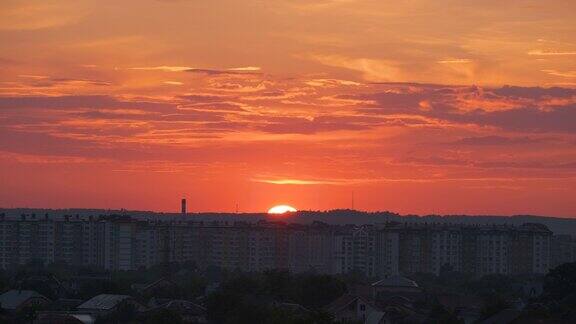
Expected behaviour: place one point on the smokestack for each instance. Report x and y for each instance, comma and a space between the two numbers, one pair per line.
183, 206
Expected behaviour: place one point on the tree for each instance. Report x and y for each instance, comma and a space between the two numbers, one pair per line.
493, 305
231, 307
163, 316
560, 292
278, 284
27, 314
561, 281
440, 315
319, 290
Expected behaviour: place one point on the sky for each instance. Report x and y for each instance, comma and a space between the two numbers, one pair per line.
444, 106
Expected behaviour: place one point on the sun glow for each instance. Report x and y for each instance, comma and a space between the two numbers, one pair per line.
281, 209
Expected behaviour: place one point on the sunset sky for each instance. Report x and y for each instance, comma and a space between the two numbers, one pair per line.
421, 106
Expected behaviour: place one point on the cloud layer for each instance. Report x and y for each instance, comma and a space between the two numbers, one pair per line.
260, 103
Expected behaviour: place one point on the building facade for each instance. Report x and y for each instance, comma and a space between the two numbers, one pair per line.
382, 250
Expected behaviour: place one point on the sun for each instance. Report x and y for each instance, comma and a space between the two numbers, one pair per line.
281, 209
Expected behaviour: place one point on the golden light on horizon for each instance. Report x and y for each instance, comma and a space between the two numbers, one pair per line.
281, 209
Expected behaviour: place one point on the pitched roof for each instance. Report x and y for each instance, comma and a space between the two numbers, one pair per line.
291, 307
103, 302
503, 317
178, 305
344, 301
185, 306
12, 299
143, 287
396, 281
84, 318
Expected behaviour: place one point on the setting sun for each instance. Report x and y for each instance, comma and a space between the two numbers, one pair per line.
281, 209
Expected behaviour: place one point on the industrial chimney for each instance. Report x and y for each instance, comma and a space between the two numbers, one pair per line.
183, 206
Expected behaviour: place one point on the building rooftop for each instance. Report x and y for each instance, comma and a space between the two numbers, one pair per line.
396, 281
103, 302
12, 299
84, 318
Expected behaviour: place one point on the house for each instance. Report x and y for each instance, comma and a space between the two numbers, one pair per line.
162, 284
396, 286
355, 308
292, 308
505, 316
16, 300
75, 283
105, 304
387, 300
64, 318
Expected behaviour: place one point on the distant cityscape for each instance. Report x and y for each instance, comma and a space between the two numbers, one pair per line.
89, 266
116, 242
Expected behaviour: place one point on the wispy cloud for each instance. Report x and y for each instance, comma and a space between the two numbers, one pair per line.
297, 182
371, 69
455, 61
232, 71
173, 83
567, 74
376, 180
164, 68
31, 16
245, 69
551, 53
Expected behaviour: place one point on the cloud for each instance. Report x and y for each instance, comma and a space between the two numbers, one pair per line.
534, 92
204, 98
568, 74
214, 106
495, 140
177, 83
73, 81
245, 69
390, 119
297, 182
551, 53
455, 61
90, 101
299, 125
371, 69
376, 180
232, 71
561, 119
164, 68
44, 81
30, 16
521, 109
331, 83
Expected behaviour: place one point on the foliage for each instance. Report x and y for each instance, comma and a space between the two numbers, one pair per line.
559, 296
492, 306
258, 298
561, 281
440, 315
163, 316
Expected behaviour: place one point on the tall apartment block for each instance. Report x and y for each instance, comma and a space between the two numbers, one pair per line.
563, 250
124, 243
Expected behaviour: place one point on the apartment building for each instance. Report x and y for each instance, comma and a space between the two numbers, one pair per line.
311, 248
563, 250
382, 250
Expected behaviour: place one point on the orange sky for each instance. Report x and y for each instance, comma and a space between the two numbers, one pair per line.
415, 106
